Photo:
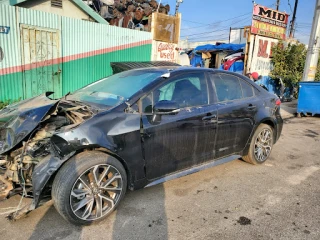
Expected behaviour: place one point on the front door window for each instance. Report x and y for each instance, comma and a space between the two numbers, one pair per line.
187, 91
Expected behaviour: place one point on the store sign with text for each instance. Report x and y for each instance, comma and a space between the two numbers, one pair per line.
269, 22
166, 51
262, 53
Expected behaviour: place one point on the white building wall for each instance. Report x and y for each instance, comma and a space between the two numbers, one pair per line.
69, 9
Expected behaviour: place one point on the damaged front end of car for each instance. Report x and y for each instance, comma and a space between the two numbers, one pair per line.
28, 157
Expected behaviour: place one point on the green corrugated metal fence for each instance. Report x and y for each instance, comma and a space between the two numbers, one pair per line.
45, 52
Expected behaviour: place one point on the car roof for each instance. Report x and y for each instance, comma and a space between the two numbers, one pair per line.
180, 69
177, 69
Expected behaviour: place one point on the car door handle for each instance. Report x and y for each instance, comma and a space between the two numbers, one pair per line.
251, 107
208, 118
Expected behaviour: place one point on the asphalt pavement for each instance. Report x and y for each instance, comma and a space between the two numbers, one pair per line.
276, 200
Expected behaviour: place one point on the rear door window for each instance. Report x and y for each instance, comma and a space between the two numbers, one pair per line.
228, 87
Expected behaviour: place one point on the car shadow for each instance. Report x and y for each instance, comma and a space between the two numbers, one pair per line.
142, 215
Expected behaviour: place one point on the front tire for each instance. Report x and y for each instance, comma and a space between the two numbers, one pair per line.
260, 146
89, 187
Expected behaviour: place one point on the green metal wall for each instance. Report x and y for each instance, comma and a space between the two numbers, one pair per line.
11, 86
91, 47
85, 52
81, 72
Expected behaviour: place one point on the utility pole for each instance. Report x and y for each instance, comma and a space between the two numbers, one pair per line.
278, 4
310, 68
177, 5
293, 21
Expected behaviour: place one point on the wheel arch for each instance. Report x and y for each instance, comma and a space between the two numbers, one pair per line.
267, 121
121, 160
270, 122
99, 149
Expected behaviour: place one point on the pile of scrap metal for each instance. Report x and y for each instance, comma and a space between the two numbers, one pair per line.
133, 14
26, 140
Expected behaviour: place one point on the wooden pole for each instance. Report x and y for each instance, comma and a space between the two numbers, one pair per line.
293, 19
278, 4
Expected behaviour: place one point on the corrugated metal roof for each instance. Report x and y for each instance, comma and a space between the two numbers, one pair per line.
90, 11
118, 67
79, 3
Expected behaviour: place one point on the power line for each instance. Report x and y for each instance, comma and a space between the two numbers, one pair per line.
214, 31
208, 24
290, 5
220, 38
218, 30
226, 20
191, 21
209, 38
202, 33
309, 27
305, 23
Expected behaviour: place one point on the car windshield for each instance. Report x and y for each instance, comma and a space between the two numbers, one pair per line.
113, 90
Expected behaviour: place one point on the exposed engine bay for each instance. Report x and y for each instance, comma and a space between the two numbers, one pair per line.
18, 163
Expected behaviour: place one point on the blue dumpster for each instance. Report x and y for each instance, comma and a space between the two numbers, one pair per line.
309, 98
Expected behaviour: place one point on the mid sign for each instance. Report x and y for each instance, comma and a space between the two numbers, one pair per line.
268, 22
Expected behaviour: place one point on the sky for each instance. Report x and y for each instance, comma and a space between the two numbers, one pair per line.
204, 20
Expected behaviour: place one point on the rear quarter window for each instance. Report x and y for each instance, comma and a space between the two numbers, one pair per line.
247, 89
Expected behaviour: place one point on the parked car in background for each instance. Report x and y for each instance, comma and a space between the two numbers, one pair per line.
131, 130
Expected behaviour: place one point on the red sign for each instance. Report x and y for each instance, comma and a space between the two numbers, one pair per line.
262, 53
269, 22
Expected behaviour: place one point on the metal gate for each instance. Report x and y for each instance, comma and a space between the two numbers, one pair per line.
41, 61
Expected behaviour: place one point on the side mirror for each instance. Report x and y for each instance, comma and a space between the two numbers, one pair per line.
165, 107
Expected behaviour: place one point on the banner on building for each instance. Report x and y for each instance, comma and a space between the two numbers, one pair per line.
269, 22
262, 53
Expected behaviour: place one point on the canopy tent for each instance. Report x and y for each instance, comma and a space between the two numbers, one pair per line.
221, 47
196, 58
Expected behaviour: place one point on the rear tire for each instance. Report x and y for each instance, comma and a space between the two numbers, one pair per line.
89, 187
260, 146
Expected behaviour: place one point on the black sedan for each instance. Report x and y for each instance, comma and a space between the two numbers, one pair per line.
128, 131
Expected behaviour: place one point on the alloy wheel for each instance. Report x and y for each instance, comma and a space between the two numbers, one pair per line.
96, 192
263, 145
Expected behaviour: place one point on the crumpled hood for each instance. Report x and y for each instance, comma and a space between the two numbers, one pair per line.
18, 120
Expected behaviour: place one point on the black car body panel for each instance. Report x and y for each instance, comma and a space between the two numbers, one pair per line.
148, 145
18, 120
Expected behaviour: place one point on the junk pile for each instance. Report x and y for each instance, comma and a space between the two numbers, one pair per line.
133, 14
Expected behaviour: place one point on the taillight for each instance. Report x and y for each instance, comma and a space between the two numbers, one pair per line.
278, 102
